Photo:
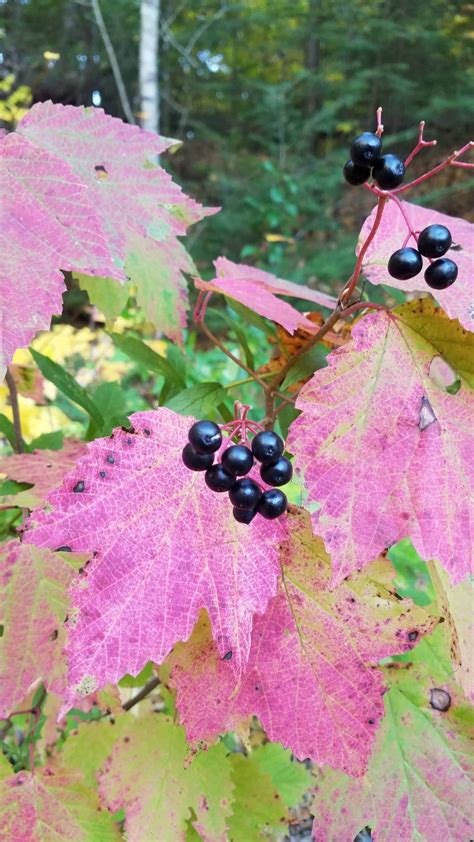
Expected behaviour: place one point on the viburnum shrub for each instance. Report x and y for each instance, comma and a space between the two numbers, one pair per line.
246, 572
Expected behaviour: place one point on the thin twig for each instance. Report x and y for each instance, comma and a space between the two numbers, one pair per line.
19, 443
144, 692
421, 144
349, 289
117, 73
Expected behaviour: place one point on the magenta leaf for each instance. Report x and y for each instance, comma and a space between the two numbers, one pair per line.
258, 290
33, 587
48, 222
458, 299
166, 546
384, 452
141, 208
310, 676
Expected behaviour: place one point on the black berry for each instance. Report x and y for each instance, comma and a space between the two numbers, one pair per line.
365, 149
354, 174
441, 273
405, 263
237, 460
245, 494
388, 171
272, 503
267, 446
205, 436
277, 473
196, 461
217, 479
434, 241
244, 515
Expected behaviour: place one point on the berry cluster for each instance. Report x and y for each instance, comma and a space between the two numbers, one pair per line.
366, 156
433, 242
246, 495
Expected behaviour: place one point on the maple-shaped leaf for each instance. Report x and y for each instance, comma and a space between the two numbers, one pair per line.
384, 452
34, 585
146, 775
48, 222
53, 804
458, 299
418, 784
166, 546
310, 677
258, 291
44, 469
142, 210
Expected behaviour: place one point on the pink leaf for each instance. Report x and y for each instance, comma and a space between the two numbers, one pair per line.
256, 289
48, 222
310, 676
458, 299
33, 585
166, 547
53, 804
44, 468
142, 209
384, 453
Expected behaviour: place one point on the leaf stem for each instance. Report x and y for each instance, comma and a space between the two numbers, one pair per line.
10, 381
143, 693
349, 289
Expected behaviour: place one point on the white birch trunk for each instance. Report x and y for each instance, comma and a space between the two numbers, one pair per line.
149, 86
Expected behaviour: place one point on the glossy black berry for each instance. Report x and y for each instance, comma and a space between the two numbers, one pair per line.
244, 515
388, 171
365, 149
277, 473
205, 436
272, 503
267, 446
237, 460
441, 273
196, 461
434, 241
354, 174
245, 494
217, 479
405, 263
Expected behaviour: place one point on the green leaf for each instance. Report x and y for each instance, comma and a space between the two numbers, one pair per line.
107, 294
111, 402
9, 486
198, 400
258, 809
142, 354
234, 325
290, 778
413, 579
7, 429
88, 747
307, 364
138, 680
67, 385
48, 441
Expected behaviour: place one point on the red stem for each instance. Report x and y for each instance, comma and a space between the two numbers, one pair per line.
349, 289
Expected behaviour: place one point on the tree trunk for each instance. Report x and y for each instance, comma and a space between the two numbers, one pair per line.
149, 85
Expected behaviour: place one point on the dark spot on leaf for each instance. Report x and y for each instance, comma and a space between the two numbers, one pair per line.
126, 739
128, 429
147, 432
111, 435
257, 687
371, 721
54, 635
440, 699
227, 656
63, 550
112, 720
99, 168
102, 474
110, 459
456, 247
79, 486
412, 635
